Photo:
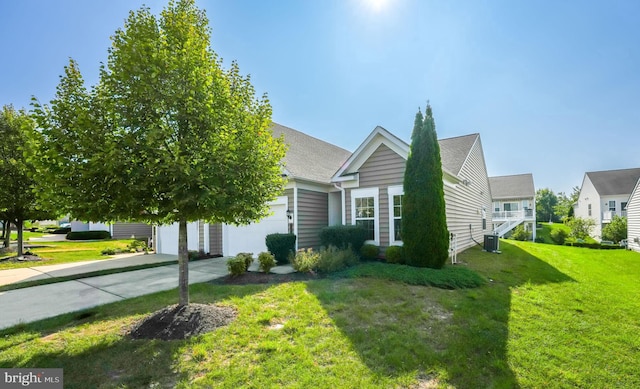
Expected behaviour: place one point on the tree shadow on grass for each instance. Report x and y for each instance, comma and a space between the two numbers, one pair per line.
456, 336
107, 355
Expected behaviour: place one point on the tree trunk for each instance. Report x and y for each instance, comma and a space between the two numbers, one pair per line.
7, 232
183, 263
20, 246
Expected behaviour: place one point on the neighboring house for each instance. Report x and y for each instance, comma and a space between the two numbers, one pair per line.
372, 188
633, 219
605, 194
117, 230
309, 203
325, 181
514, 202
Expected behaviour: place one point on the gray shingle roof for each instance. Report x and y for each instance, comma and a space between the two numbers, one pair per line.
310, 158
614, 182
454, 151
512, 187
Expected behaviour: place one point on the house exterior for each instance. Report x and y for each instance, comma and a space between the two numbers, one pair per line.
604, 194
513, 203
633, 219
117, 230
331, 186
309, 203
371, 183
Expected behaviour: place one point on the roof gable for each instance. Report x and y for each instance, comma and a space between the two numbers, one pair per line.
309, 158
454, 152
514, 186
614, 182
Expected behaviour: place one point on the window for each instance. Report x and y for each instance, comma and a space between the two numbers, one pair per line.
484, 219
496, 206
364, 212
511, 206
589, 208
365, 215
396, 194
623, 206
612, 205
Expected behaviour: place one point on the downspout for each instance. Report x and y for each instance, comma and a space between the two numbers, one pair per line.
344, 205
295, 214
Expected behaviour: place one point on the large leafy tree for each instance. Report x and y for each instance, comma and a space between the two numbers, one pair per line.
17, 198
616, 230
546, 200
167, 135
424, 222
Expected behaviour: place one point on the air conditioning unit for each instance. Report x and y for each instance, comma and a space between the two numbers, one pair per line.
491, 243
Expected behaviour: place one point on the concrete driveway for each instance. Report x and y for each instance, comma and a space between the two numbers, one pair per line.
40, 302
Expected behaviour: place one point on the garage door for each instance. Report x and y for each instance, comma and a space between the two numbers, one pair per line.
250, 238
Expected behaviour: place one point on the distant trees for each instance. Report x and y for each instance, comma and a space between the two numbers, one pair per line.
564, 207
424, 224
546, 200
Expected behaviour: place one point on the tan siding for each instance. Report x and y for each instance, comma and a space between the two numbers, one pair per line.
126, 230
384, 168
633, 220
215, 239
313, 215
465, 203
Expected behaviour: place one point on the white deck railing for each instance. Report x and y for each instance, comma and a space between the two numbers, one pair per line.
512, 215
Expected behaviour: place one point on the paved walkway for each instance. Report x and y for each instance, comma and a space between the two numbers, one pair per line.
40, 302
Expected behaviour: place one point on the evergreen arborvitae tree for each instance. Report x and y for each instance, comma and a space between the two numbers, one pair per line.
424, 221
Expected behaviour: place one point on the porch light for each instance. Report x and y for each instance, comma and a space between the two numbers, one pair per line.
290, 215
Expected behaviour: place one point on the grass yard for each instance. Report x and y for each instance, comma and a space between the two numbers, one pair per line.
548, 316
68, 251
26, 235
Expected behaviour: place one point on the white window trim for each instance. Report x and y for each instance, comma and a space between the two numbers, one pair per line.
368, 192
393, 191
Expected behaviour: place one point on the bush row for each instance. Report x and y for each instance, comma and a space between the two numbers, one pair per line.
597, 246
88, 235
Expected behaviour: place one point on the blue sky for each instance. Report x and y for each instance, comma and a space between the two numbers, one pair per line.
553, 87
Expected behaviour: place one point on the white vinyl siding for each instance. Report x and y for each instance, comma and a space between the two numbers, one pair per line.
633, 220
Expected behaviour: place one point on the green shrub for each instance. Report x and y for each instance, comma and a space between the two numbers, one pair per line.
281, 245
267, 261
616, 230
394, 254
138, 245
88, 235
343, 236
247, 258
237, 266
540, 239
193, 255
559, 236
333, 259
305, 260
108, 251
581, 228
519, 233
369, 251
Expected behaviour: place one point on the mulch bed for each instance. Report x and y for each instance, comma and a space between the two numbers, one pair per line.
264, 278
175, 322
27, 257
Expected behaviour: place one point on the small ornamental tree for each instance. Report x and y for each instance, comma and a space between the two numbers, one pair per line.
17, 197
167, 135
616, 230
424, 221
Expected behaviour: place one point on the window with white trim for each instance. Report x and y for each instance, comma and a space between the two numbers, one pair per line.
396, 194
364, 212
612, 205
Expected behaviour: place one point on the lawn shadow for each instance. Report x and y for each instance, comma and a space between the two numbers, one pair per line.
458, 335
114, 358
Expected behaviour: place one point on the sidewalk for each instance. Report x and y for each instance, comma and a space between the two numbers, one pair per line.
12, 276
44, 301
40, 302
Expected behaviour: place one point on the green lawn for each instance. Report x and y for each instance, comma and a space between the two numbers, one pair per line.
26, 235
545, 232
68, 251
549, 316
